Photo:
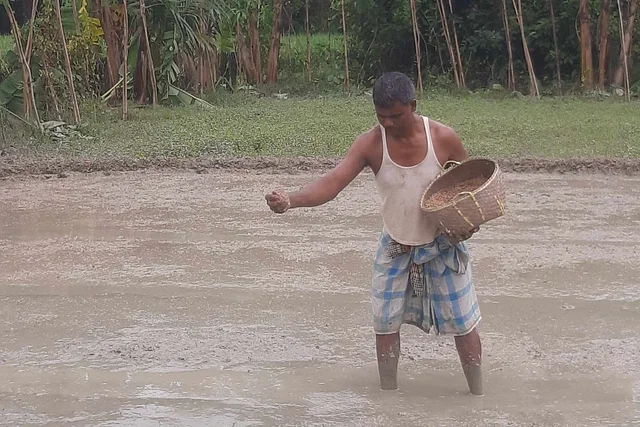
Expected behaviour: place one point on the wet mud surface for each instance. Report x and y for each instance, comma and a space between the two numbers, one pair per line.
178, 299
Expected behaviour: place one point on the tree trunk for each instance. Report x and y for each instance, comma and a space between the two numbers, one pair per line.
308, 32
447, 36
416, 42
244, 56
457, 45
112, 40
507, 36
347, 83
147, 50
627, 30
274, 47
555, 44
586, 58
125, 54
532, 75
254, 38
67, 64
603, 42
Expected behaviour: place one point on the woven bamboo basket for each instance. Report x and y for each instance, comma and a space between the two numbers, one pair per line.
468, 209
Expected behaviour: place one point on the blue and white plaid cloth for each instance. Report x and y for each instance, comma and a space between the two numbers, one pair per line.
428, 286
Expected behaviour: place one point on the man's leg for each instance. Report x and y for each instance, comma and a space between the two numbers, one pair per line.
470, 352
388, 349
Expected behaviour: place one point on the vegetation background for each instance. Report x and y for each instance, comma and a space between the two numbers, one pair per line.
529, 78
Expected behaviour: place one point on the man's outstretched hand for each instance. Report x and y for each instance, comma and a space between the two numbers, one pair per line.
278, 201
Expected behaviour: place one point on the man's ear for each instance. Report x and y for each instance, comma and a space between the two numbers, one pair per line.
413, 106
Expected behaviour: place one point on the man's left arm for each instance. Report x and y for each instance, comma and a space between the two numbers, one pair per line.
453, 146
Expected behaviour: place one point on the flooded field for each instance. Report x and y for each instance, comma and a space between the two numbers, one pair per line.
178, 299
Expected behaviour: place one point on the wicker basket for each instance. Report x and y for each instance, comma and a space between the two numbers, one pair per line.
467, 210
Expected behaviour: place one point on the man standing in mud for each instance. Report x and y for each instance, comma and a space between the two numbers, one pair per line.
421, 275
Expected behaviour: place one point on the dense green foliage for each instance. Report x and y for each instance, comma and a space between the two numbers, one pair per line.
381, 39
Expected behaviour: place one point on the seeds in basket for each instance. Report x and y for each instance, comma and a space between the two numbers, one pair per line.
447, 194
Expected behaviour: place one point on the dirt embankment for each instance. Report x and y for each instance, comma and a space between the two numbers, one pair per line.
11, 165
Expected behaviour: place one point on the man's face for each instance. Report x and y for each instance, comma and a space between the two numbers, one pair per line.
396, 119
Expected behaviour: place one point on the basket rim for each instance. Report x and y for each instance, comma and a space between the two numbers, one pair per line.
496, 171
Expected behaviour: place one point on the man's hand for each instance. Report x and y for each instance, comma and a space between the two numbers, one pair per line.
278, 201
457, 237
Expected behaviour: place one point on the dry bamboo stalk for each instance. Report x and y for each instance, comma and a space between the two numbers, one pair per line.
447, 36
147, 48
555, 43
455, 38
507, 35
532, 75
346, 55
623, 47
307, 30
416, 42
34, 9
67, 64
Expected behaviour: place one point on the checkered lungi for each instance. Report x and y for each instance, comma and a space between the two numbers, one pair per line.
427, 286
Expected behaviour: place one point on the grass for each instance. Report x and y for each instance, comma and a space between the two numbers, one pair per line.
243, 124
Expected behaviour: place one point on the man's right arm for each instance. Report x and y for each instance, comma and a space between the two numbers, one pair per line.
328, 186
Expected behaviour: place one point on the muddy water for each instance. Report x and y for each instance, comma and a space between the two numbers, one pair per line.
178, 299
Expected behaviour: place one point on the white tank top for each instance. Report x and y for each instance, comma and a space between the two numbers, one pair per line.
401, 188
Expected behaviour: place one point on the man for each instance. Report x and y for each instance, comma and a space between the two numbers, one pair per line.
421, 274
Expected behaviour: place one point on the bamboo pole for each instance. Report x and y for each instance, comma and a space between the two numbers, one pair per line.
525, 46
346, 55
624, 54
555, 43
507, 36
416, 42
34, 9
447, 36
67, 64
455, 38
147, 48
307, 30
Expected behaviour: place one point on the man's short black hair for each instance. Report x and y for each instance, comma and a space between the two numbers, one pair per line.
391, 88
